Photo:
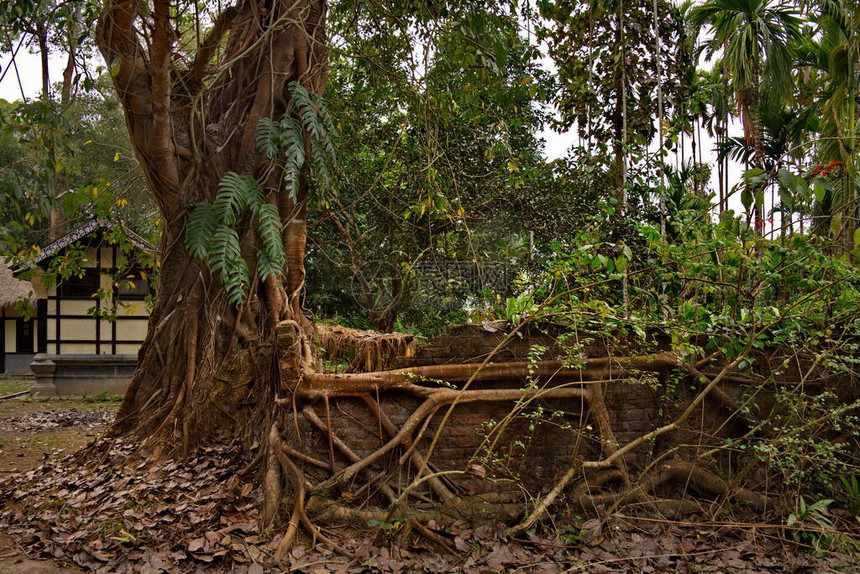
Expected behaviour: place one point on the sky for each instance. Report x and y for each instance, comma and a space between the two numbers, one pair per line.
29, 70
557, 144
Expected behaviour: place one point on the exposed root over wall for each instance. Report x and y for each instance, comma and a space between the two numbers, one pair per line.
410, 412
415, 452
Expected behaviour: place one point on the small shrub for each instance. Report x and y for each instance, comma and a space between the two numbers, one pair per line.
102, 397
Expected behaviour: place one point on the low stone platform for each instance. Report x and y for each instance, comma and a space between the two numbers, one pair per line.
79, 374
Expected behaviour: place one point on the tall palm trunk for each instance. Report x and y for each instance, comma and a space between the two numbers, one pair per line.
619, 172
752, 97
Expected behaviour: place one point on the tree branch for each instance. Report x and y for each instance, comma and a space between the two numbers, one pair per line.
118, 42
319, 384
210, 44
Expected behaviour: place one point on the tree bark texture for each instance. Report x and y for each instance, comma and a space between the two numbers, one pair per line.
192, 117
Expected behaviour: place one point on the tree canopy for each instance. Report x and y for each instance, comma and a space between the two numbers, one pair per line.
387, 166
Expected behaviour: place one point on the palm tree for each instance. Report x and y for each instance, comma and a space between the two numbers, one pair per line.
719, 101
756, 40
784, 131
832, 55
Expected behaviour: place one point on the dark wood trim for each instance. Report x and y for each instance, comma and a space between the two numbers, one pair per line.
93, 342
57, 325
97, 315
41, 326
118, 317
23, 344
123, 299
3, 341
114, 299
71, 298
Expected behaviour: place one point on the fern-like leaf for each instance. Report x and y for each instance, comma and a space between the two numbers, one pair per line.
266, 267
200, 229
320, 166
304, 105
268, 137
236, 192
269, 226
292, 174
329, 131
225, 259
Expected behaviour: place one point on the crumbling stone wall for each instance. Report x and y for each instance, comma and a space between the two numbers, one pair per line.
535, 449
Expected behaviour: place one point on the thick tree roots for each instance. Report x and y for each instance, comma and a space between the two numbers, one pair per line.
409, 476
412, 454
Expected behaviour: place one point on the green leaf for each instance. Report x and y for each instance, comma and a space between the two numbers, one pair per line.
836, 224
269, 226
787, 199
747, 198
786, 178
266, 267
819, 192
225, 259
200, 229
751, 173
304, 105
268, 137
236, 193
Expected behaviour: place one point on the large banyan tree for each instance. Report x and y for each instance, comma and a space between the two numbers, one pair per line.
224, 127
230, 131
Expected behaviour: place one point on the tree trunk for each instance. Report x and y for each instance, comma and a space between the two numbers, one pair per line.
55, 220
619, 119
752, 104
205, 367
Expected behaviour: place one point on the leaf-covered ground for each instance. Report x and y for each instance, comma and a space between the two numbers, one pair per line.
201, 515
35, 430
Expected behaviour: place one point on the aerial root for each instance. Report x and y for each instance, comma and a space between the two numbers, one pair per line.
478, 508
682, 472
299, 514
545, 503
417, 460
370, 350
412, 524
584, 484
344, 449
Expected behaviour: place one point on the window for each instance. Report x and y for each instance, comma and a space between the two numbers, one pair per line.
80, 287
25, 335
133, 285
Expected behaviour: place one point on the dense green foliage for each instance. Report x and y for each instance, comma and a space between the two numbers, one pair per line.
442, 194
434, 200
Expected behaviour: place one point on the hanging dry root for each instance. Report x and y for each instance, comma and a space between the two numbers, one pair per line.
366, 350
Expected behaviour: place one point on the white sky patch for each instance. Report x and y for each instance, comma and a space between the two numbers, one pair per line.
27, 80
29, 70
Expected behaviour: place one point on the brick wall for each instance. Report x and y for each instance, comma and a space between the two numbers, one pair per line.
533, 450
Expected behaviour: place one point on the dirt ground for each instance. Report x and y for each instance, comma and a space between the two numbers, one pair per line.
33, 430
